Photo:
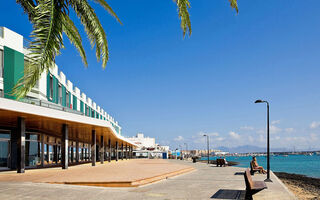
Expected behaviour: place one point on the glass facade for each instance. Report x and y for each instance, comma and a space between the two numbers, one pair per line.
33, 150
4, 149
35, 144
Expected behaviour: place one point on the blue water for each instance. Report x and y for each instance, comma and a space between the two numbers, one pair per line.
298, 164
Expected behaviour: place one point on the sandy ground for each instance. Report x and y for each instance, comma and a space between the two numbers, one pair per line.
303, 187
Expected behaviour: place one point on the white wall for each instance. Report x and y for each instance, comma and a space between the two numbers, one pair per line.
142, 141
12, 40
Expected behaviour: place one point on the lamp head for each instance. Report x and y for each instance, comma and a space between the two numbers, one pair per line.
259, 101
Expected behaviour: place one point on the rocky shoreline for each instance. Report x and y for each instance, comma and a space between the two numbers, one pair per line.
302, 186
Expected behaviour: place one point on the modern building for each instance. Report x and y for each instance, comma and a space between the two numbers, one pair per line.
147, 147
55, 124
143, 142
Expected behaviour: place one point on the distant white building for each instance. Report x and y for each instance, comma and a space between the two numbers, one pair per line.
143, 142
147, 147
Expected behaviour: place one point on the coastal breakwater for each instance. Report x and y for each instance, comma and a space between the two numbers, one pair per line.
302, 186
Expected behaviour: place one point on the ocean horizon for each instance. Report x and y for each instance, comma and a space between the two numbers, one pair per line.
296, 164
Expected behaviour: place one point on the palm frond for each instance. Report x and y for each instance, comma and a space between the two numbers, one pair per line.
28, 7
108, 8
93, 28
73, 34
234, 4
46, 44
183, 6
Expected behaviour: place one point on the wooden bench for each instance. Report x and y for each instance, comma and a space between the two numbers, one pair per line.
221, 162
253, 187
253, 170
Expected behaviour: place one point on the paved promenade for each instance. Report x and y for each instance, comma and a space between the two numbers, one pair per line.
206, 182
124, 173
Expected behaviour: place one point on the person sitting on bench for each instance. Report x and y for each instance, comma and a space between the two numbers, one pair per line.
256, 166
225, 161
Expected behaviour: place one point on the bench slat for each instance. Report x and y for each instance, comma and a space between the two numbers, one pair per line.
253, 185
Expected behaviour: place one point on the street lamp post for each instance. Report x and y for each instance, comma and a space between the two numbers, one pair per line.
207, 146
268, 141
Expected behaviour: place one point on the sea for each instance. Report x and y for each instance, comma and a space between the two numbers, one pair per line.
308, 165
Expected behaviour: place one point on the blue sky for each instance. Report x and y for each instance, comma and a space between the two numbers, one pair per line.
176, 89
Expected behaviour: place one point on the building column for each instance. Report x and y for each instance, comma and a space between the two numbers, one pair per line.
122, 151
117, 153
110, 150
21, 132
93, 148
77, 151
131, 152
64, 147
42, 150
105, 152
101, 150
82, 153
55, 153
126, 151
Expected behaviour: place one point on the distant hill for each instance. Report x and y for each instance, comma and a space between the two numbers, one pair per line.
249, 149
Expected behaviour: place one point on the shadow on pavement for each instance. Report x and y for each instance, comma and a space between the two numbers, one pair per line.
229, 194
239, 173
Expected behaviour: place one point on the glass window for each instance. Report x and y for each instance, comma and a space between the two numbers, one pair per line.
1, 63
60, 94
87, 107
67, 100
4, 149
51, 87
32, 150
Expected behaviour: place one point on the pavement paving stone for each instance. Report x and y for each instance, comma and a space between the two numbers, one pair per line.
206, 182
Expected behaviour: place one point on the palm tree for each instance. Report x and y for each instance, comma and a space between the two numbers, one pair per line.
50, 19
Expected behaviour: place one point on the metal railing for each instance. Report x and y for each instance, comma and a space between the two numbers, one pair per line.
48, 104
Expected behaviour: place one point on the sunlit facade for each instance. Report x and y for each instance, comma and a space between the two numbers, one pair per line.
55, 124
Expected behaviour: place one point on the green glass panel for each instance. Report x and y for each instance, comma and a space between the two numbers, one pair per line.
13, 70
74, 106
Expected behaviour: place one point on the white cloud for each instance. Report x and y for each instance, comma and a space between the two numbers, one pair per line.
247, 128
275, 122
314, 124
289, 130
219, 139
179, 138
234, 135
274, 129
201, 133
261, 131
213, 134
313, 137
261, 138
250, 138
